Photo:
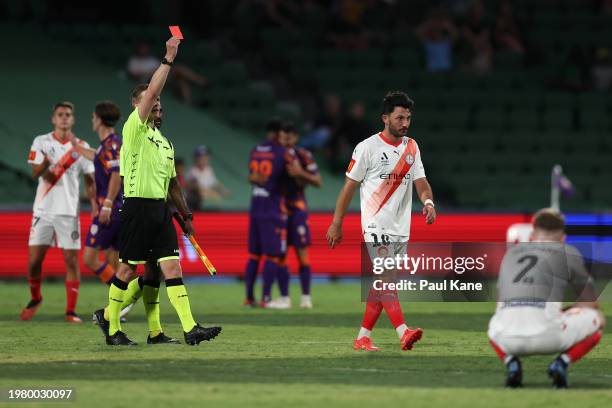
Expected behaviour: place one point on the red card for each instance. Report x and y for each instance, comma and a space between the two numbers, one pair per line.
176, 32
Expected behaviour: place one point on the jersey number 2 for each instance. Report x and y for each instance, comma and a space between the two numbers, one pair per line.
531, 261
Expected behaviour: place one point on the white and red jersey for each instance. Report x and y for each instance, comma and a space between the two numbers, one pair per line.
386, 172
61, 197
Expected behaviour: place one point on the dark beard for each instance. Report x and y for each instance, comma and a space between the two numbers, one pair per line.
395, 132
157, 123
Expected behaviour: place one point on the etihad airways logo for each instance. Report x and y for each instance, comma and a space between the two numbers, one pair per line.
394, 176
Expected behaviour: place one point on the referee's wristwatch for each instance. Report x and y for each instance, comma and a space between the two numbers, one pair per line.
166, 62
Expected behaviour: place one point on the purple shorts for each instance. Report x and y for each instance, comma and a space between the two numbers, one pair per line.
267, 236
298, 229
104, 236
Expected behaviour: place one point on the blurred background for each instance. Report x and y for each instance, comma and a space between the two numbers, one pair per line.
503, 89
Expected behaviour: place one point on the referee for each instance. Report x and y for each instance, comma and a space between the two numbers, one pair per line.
148, 234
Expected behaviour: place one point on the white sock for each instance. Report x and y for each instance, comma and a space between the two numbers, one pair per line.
401, 329
363, 332
566, 358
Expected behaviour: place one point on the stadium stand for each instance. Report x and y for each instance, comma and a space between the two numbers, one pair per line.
25, 113
497, 133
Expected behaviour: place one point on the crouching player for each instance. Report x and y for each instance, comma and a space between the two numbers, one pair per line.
529, 319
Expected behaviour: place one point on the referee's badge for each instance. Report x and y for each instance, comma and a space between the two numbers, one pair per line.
74, 155
409, 159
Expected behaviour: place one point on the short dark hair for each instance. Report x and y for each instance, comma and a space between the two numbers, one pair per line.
108, 113
138, 90
396, 98
274, 125
289, 127
549, 219
63, 104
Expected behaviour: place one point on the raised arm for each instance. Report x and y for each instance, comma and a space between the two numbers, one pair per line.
156, 85
334, 232
426, 195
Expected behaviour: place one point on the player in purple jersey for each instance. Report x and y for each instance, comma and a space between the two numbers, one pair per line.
270, 166
103, 233
298, 229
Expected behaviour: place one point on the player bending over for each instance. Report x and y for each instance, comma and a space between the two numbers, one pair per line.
384, 167
55, 220
298, 227
529, 319
147, 229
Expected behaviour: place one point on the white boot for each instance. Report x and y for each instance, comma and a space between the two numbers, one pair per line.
283, 302
306, 302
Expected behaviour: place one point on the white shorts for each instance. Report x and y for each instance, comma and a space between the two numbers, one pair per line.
63, 231
523, 331
382, 245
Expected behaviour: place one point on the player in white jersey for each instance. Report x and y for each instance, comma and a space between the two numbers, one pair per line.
532, 282
385, 166
55, 219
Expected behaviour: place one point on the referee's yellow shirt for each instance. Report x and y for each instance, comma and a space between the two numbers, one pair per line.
146, 160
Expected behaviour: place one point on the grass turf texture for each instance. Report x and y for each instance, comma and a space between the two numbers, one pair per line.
278, 358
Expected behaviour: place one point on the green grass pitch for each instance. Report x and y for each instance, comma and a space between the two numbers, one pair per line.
278, 358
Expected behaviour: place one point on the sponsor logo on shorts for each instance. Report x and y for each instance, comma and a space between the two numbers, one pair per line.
382, 251
94, 229
75, 235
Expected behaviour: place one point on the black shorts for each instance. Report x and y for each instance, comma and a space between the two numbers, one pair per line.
147, 232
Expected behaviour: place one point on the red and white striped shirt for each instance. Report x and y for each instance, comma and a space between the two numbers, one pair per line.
386, 172
62, 197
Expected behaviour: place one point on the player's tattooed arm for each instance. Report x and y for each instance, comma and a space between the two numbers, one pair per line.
114, 185
302, 175
158, 80
90, 189
424, 191
334, 232
178, 199
312, 179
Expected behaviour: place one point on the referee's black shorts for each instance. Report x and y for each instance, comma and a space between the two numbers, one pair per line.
147, 232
